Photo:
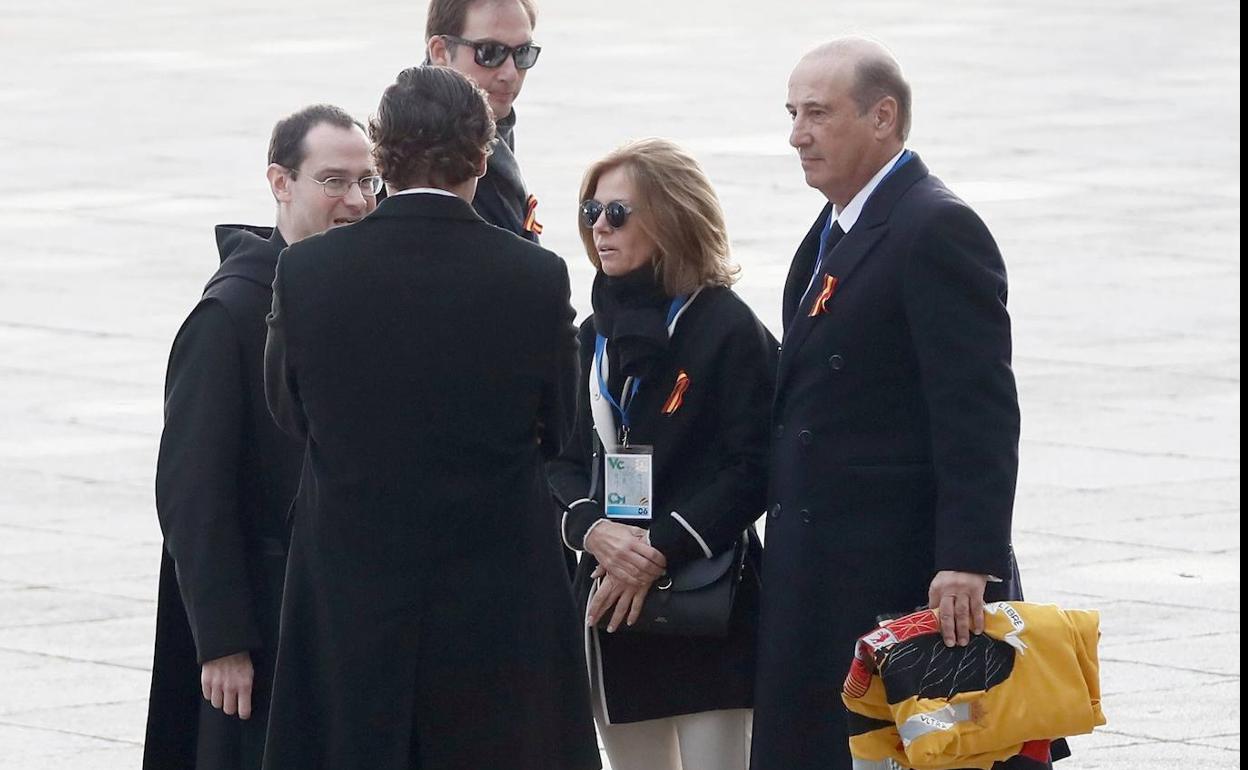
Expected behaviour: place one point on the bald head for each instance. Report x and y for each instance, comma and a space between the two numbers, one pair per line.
851, 113
873, 72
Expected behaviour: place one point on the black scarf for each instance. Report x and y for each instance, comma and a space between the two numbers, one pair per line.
631, 312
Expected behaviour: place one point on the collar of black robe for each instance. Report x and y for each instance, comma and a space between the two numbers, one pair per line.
248, 252
631, 311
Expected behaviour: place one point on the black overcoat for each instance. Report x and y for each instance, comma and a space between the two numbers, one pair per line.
894, 449
502, 199
710, 466
428, 621
224, 480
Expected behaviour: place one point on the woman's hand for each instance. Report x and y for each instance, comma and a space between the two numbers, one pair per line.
623, 553
626, 599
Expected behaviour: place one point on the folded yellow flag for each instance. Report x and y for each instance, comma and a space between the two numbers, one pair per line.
1031, 676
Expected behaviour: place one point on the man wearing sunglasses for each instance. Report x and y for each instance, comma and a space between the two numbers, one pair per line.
226, 473
491, 42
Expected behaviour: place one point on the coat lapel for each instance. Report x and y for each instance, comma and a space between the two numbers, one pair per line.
841, 263
867, 232
801, 267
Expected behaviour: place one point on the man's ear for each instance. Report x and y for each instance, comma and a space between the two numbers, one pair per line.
279, 182
437, 51
885, 118
482, 165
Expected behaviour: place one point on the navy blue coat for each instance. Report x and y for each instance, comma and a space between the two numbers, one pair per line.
894, 449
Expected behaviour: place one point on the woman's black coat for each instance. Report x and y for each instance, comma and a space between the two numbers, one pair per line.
710, 467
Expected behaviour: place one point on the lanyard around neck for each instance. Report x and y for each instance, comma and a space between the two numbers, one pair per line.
631, 384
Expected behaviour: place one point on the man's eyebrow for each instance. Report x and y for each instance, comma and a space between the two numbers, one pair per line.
343, 172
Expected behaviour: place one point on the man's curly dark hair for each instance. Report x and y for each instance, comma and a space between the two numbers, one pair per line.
433, 127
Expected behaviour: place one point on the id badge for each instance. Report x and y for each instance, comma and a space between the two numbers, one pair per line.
629, 483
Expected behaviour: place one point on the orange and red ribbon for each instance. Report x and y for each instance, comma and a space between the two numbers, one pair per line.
820, 305
531, 225
678, 393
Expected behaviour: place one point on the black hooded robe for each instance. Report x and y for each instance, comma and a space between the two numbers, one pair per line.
224, 480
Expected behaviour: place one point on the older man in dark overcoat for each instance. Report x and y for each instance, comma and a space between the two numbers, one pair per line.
428, 358
895, 426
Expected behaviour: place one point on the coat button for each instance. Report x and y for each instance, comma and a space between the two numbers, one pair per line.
806, 437
805, 514
775, 511
836, 362
779, 431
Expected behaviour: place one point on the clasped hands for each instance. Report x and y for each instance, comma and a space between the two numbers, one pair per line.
627, 566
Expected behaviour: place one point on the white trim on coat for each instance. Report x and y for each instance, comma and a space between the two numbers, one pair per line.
706, 549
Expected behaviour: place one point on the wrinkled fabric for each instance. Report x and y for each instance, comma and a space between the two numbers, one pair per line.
1031, 676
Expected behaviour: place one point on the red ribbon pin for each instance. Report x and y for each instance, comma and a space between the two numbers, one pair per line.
678, 393
531, 224
820, 305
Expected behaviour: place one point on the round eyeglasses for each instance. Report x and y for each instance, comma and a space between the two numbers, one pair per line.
339, 186
617, 212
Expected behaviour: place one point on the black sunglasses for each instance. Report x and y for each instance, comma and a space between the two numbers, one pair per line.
617, 212
491, 54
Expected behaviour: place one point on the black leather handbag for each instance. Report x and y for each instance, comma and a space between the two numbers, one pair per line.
695, 600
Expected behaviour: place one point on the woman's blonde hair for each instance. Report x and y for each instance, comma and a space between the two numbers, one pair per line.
677, 207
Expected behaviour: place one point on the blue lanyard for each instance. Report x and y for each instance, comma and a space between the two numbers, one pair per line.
600, 348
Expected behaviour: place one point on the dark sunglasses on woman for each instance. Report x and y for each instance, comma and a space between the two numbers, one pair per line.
617, 212
491, 53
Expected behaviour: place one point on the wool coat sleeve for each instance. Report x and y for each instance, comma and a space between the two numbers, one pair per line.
281, 391
735, 495
558, 404
197, 495
955, 291
571, 473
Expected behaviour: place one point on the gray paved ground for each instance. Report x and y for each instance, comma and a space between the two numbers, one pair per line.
1099, 141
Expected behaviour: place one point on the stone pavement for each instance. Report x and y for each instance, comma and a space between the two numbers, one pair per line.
1100, 141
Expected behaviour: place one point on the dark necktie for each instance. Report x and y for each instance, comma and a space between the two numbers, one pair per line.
828, 242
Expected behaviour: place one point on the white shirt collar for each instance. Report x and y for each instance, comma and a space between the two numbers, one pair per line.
433, 190
847, 216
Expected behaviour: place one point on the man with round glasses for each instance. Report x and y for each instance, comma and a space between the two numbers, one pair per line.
226, 473
491, 42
